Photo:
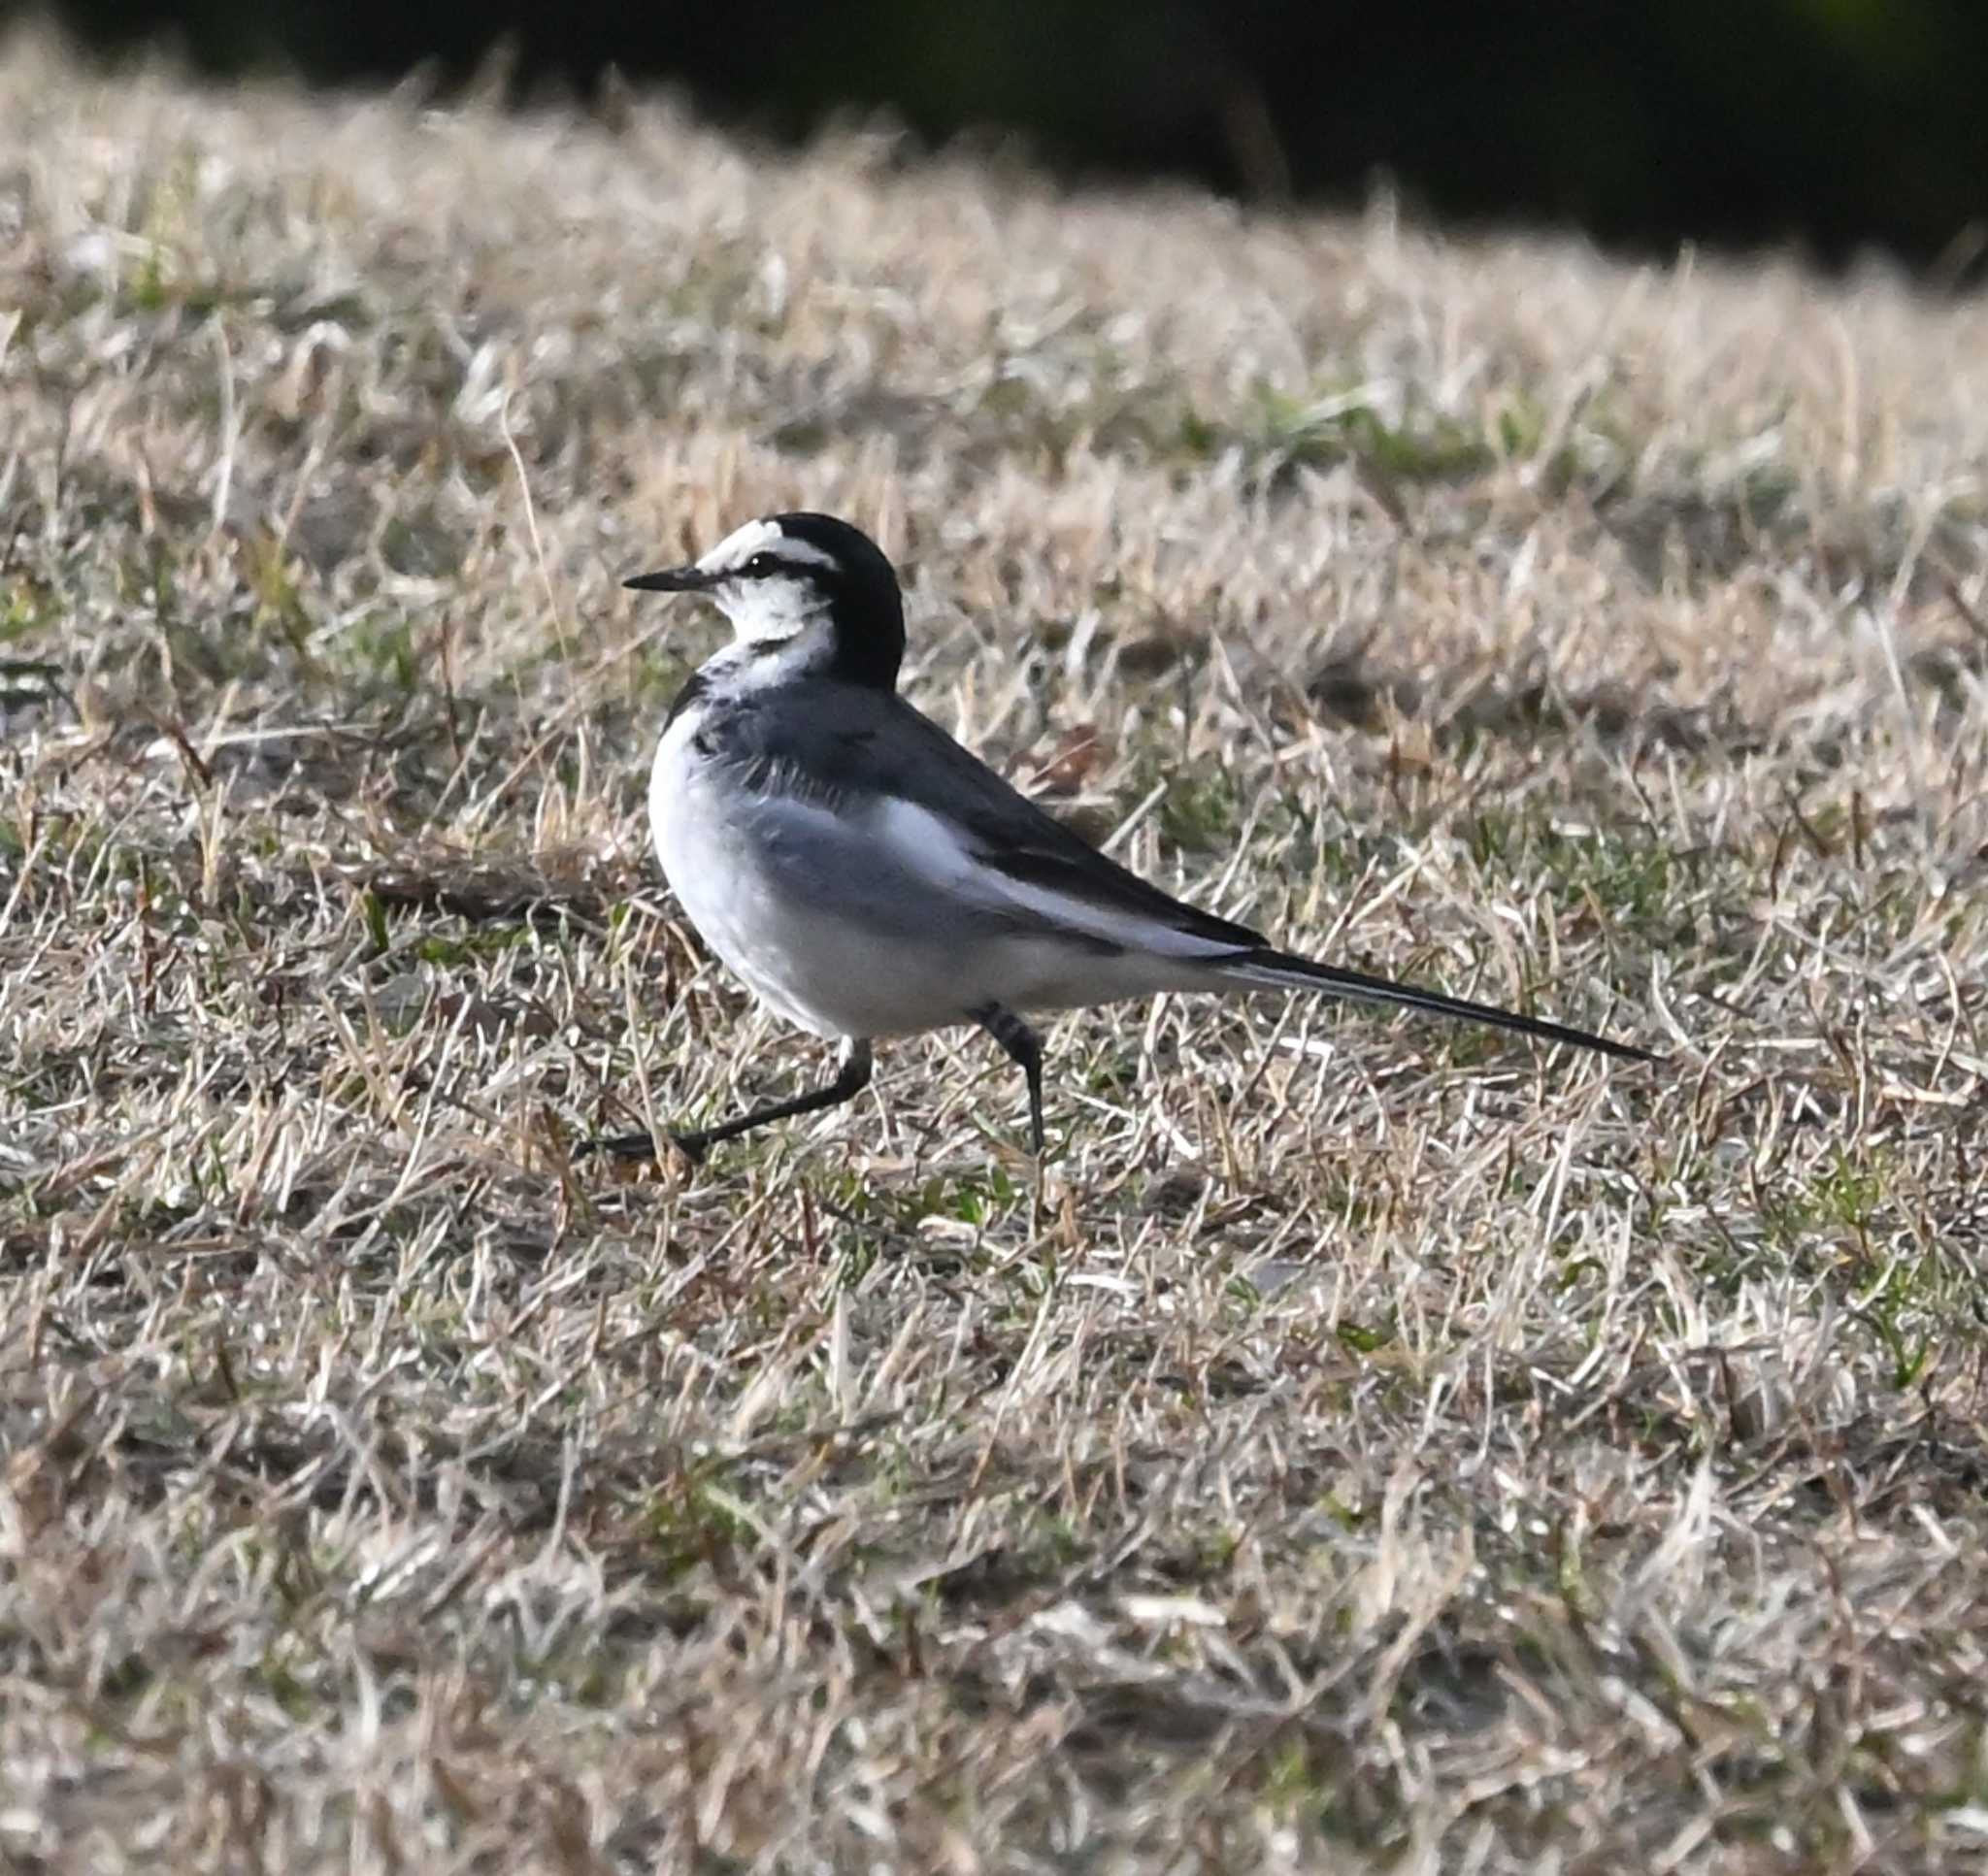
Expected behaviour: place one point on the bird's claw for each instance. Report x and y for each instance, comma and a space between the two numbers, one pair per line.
641, 1148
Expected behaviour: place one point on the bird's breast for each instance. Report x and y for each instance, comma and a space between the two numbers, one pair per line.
711, 844
686, 806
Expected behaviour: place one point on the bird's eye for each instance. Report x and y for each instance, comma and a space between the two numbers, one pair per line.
759, 565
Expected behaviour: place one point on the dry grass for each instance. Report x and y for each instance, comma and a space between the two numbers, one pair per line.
1372, 1445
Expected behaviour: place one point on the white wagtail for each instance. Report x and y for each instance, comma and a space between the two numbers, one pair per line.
866, 876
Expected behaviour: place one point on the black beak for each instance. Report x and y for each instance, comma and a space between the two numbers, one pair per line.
673, 579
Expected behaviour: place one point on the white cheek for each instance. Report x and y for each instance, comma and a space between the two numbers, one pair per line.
765, 608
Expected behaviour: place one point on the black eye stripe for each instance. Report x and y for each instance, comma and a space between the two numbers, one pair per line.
767, 565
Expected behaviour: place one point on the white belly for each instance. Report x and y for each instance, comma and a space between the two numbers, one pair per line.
823, 972
858, 933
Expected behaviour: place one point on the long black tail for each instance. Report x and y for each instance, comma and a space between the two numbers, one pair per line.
1280, 970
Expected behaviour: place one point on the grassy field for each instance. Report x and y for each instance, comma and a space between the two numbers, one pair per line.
1363, 1443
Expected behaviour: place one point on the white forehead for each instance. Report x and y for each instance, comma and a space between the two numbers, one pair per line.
763, 536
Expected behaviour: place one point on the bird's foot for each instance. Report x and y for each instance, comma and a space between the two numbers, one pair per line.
641, 1148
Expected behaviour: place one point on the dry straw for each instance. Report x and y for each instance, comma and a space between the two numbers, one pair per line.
1371, 1444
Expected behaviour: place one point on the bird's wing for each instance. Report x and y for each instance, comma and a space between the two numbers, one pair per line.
874, 758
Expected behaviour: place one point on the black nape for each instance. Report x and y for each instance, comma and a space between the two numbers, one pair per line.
866, 608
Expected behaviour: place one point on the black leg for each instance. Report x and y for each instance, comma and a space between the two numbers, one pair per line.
1022, 1046
852, 1076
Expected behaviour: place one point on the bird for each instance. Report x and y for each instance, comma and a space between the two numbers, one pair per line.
866, 876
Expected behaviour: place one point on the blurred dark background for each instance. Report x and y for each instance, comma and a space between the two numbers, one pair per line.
1834, 125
